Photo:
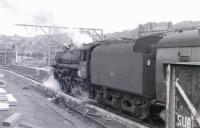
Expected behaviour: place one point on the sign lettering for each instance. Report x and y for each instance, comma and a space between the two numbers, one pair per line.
183, 121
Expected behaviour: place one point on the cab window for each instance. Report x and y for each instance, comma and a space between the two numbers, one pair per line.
83, 55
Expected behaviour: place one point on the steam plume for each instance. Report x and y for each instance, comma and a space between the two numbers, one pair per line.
44, 18
79, 38
52, 83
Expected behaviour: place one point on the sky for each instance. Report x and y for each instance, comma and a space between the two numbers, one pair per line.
109, 15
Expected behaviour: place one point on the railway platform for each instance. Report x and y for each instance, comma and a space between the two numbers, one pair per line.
36, 111
32, 94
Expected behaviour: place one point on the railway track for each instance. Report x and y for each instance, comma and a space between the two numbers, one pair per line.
75, 106
38, 78
86, 116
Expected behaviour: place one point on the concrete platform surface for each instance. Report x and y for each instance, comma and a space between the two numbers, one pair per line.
12, 100
32, 107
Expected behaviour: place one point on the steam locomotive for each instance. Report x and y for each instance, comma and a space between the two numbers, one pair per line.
126, 75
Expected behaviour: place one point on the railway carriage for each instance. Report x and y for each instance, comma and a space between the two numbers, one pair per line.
181, 46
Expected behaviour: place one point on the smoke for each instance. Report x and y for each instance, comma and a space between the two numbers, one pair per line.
5, 4
52, 83
44, 18
76, 37
80, 94
77, 92
79, 38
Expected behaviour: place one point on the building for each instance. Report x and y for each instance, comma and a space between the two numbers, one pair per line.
36, 51
7, 54
153, 27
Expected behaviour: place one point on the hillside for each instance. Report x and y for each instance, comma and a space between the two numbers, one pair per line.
134, 32
186, 24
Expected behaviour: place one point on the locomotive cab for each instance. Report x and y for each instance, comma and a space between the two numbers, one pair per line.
82, 71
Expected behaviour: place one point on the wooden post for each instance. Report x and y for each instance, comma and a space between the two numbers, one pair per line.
168, 74
170, 96
173, 98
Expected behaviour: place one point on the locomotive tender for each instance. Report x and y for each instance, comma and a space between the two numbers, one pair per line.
126, 75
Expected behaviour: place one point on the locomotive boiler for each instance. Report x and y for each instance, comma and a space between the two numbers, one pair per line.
72, 69
126, 75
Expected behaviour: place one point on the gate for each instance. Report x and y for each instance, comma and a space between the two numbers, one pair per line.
183, 95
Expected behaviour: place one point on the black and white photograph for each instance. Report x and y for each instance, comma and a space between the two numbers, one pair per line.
99, 64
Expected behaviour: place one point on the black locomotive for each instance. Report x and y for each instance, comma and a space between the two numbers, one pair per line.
126, 75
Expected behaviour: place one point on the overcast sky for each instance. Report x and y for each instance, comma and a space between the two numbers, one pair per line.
110, 15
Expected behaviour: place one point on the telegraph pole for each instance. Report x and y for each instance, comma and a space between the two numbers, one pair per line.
97, 32
49, 39
5, 53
